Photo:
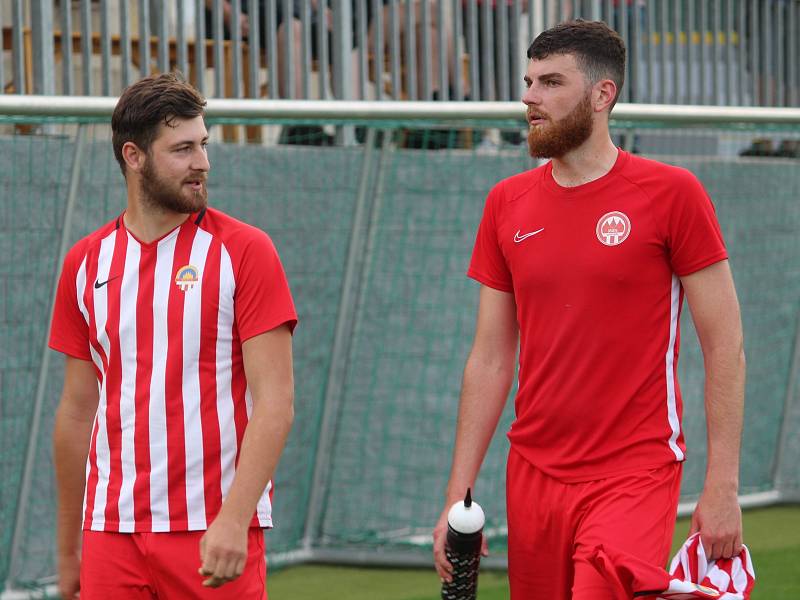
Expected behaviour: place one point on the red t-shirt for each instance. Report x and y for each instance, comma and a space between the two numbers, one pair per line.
163, 324
594, 271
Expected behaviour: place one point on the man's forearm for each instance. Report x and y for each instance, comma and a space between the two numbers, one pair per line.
71, 437
724, 399
484, 391
262, 445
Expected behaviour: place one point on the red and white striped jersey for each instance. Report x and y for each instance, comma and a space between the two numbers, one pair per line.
595, 273
163, 324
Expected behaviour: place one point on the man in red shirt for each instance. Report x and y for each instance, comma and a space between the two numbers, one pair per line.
176, 321
584, 262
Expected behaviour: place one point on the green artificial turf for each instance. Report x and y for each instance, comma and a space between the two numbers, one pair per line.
772, 534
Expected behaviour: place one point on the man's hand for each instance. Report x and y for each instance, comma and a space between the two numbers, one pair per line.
443, 567
718, 518
223, 552
69, 575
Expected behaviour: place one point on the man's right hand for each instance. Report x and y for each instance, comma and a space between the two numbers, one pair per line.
69, 576
443, 567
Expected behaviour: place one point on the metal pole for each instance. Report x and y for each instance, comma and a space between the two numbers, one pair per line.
125, 42
66, 49
144, 38
105, 50
236, 36
322, 49
254, 43
287, 8
791, 56
411, 50
377, 28
425, 59
715, 52
345, 322
200, 45
305, 47
342, 39
394, 48
486, 52
458, 50
44, 75
766, 53
218, 33
692, 96
18, 52
180, 37
163, 38
444, 77
33, 439
682, 40
500, 50
702, 26
730, 57
474, 51
271, 46
363, 50
780, 39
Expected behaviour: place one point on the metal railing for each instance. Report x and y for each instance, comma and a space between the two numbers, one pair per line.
708, 52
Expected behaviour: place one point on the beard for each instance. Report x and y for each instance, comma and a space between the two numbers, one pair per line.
169, 195
556, 138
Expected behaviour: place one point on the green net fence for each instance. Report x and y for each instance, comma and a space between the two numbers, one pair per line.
376, 237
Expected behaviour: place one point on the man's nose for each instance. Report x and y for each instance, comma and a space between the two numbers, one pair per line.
200, 161
531, 96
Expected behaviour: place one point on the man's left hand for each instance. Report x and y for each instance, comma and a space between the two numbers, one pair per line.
718, 518
223, 552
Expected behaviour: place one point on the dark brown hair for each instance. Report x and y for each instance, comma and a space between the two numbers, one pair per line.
144, 105
598, 49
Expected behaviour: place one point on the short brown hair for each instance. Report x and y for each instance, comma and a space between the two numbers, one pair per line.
598, 49
144, 105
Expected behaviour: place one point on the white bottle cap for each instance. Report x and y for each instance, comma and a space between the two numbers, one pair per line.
466, 516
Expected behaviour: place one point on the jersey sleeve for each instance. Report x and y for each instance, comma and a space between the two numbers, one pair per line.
488, 265
69, 332
262, 300
694, 238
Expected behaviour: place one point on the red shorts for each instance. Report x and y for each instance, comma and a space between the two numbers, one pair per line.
128, 566
553, 527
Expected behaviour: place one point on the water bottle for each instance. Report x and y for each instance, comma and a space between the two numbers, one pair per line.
463, 549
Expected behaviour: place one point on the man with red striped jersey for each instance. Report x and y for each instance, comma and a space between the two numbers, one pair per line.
584, 262
176, 321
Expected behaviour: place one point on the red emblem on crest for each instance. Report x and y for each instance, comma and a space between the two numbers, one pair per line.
613, 228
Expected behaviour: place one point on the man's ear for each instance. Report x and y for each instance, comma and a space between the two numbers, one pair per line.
603, 95
133, 156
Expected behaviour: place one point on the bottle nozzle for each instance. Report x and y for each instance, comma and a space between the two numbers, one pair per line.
468, 498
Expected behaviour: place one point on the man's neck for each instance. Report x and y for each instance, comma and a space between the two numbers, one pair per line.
590, 161
149, 223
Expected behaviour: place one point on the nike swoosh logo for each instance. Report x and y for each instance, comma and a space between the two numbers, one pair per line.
98, 284
519, 238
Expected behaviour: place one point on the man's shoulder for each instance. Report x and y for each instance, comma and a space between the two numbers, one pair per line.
235, 235
83, 246
514, 186
647, 172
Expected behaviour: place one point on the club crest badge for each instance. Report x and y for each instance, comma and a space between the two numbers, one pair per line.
187, 277
613, 228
